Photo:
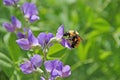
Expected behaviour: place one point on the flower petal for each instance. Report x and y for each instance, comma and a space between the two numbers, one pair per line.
24, 7
55, 73
60, 32
36, 60
32, 39
32, 9
27, 67
15, 22
49, 65
8, 2
34, 18
48, 37
41, 39
24, 44
9, 27
66, 71
65, 43
21, 35
58, 65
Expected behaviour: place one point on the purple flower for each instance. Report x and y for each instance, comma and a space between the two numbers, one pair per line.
65, 43
10, 2
60, 37
28, 43
36, 60
66, 71
27, 67
21, 35
15, 24
30, 11
57, 69
44, 39
30, 66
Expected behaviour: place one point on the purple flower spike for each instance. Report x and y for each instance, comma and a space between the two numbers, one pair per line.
27, 67
10, 2
44, 38
27, 43
36, 60
57, 69
30, 11
11, 27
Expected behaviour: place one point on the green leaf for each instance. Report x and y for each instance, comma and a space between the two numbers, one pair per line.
56, 51
92, 68
84, 50
13, 47
6, 38
116, 36
104, 54
5, 57
102, 25
93, 34
55, 48
6, 65
15, 76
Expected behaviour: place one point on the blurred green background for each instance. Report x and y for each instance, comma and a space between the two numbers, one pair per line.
98, 23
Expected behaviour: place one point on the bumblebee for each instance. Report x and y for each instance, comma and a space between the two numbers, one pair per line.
73, 38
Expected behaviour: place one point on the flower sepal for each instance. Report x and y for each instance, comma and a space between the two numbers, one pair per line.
39, 70
55, 40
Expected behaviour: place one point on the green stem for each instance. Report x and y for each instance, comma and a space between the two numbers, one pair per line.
44, 55
44, 59
45, 51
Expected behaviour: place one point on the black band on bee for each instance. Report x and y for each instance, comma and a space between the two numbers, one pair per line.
66, 34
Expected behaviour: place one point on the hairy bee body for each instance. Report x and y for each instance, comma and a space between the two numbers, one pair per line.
73, 38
